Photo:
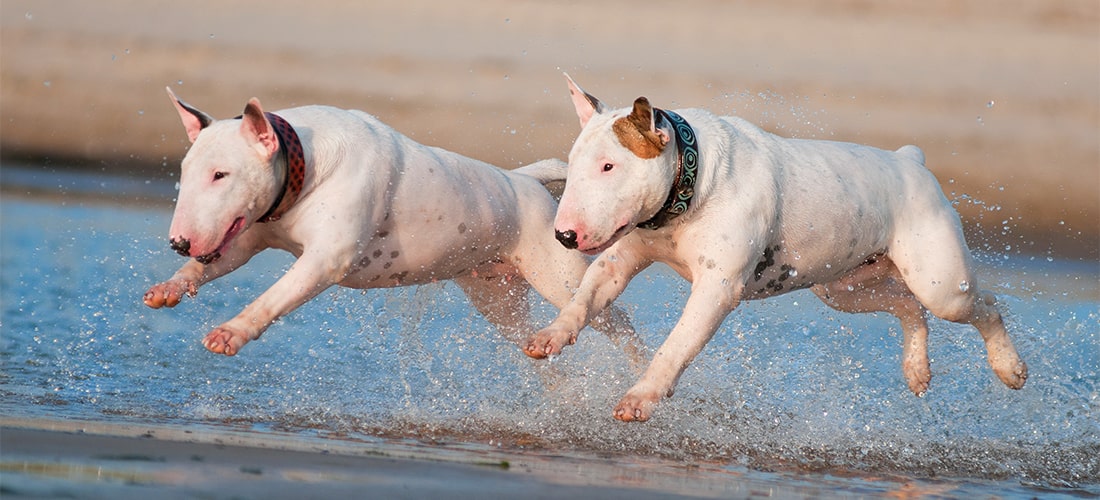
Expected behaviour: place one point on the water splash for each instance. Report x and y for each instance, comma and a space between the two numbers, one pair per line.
786, 383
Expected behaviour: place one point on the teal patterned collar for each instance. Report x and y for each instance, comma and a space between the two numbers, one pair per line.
686, 166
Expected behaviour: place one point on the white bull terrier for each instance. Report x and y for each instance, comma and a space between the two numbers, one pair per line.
744, 214
362, 206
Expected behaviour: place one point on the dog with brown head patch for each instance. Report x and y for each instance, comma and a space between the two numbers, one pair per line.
744, 214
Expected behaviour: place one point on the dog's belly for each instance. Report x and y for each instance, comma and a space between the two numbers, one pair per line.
439, 233
393, 267
781, 270
428, 250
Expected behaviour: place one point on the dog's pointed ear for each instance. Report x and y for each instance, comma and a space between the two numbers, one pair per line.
193, 119
642, 110
257, 130
585, 103
638, 131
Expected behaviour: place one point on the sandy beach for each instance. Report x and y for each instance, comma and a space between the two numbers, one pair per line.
90, 459
1005, 100
48, 458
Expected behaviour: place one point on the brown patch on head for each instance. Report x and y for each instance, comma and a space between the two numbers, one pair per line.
636, 131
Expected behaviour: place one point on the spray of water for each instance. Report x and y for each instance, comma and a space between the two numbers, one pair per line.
786, 383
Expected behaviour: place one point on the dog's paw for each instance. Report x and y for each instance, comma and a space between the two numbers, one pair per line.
1006, 363
1013, 372
636, 407
169, 293
917, 375
223, 340
549, 342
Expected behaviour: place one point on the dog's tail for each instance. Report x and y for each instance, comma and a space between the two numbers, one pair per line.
546, 171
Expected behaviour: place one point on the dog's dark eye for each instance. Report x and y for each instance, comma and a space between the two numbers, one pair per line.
219, 175
607, 167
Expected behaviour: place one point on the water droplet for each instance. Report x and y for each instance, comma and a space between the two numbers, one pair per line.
28, 16
964, 286
851, 288
47, 83
980, 120
179, 82
989, 104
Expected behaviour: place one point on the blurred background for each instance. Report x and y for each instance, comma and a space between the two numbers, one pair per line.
1004, 97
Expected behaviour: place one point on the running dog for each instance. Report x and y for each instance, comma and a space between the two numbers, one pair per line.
744, 214
362, 206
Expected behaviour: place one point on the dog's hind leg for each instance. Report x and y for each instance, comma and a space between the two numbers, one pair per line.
932, 257
615, 323
877, 287
502, 300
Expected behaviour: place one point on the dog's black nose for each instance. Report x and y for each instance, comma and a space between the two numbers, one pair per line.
182, 246
568, 238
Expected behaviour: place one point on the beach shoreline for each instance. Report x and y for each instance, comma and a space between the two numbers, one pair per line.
184, 460
97, 458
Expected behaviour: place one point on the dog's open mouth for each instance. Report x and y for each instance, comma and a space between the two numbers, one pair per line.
232, 232
619, 233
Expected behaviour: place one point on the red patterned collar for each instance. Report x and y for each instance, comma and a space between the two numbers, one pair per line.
290, 152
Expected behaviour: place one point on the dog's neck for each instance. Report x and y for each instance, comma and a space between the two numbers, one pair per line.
687, 164
291, 163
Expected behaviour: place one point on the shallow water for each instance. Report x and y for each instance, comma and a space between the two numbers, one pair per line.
787, 385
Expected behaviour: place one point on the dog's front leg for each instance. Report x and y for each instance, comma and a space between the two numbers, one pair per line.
194, 274
304, 280
711, 300
602, 283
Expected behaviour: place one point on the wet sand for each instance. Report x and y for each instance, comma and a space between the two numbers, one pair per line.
1004, 99
85, 459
